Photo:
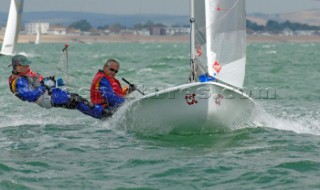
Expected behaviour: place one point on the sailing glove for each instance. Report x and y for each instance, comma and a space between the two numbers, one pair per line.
60, 82
49, 83
132, 88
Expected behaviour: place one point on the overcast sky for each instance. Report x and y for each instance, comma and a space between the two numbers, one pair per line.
175, 7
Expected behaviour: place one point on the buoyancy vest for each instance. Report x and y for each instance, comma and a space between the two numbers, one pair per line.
95, 94
33, 77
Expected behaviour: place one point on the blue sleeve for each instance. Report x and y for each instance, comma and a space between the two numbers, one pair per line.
107, 92
97, 111
26, 92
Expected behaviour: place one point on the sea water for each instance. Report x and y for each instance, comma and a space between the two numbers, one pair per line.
64, 149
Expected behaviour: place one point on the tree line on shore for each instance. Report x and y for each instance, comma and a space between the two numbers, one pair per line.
277, 27
271, 26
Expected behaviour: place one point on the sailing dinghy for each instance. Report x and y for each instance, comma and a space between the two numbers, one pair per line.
214, 99
38, 34
12, 28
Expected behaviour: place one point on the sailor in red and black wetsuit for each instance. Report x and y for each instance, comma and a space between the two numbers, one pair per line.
32, 87
105, 89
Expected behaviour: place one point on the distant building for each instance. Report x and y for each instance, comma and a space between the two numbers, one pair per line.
74, 32
157, 31
304, 32
57, 30
287, 32
317, 32
95, 32
126, 32
106, 32
33, 27
177, 31
143, 32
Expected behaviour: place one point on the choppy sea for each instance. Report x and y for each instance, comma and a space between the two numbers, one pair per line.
64, 149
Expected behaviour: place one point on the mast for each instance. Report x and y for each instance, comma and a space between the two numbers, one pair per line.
192, 41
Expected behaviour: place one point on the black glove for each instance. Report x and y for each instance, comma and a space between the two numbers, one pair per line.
49, 83
132, 88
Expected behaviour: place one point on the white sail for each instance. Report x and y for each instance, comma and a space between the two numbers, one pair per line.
220, 39
12, 28
37, 41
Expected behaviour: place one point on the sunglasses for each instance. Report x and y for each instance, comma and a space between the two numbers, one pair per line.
113, 70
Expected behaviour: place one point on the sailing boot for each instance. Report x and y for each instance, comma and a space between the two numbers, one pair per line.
83, 105
106, 113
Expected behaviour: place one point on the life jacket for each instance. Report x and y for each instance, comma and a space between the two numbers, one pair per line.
95, 95
33, 77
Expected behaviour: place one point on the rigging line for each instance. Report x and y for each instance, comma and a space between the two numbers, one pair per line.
224, 15
61, 67
140, 7
201, 34
61, 61
65, 50
136, 40
81, 6
139, 11
80, 79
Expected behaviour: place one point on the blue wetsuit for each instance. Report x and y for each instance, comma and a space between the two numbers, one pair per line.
108, 93
27, 89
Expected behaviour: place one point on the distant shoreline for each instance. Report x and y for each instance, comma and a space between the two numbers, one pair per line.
290, 39
148, 39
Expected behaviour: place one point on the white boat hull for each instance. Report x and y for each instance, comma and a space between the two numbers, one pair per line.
194, 107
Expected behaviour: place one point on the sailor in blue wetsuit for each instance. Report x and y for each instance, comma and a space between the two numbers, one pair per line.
32, 87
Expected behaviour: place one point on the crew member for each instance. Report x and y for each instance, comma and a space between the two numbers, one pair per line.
106, 90
32, 87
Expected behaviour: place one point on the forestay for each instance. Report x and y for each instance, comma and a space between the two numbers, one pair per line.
220, 39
